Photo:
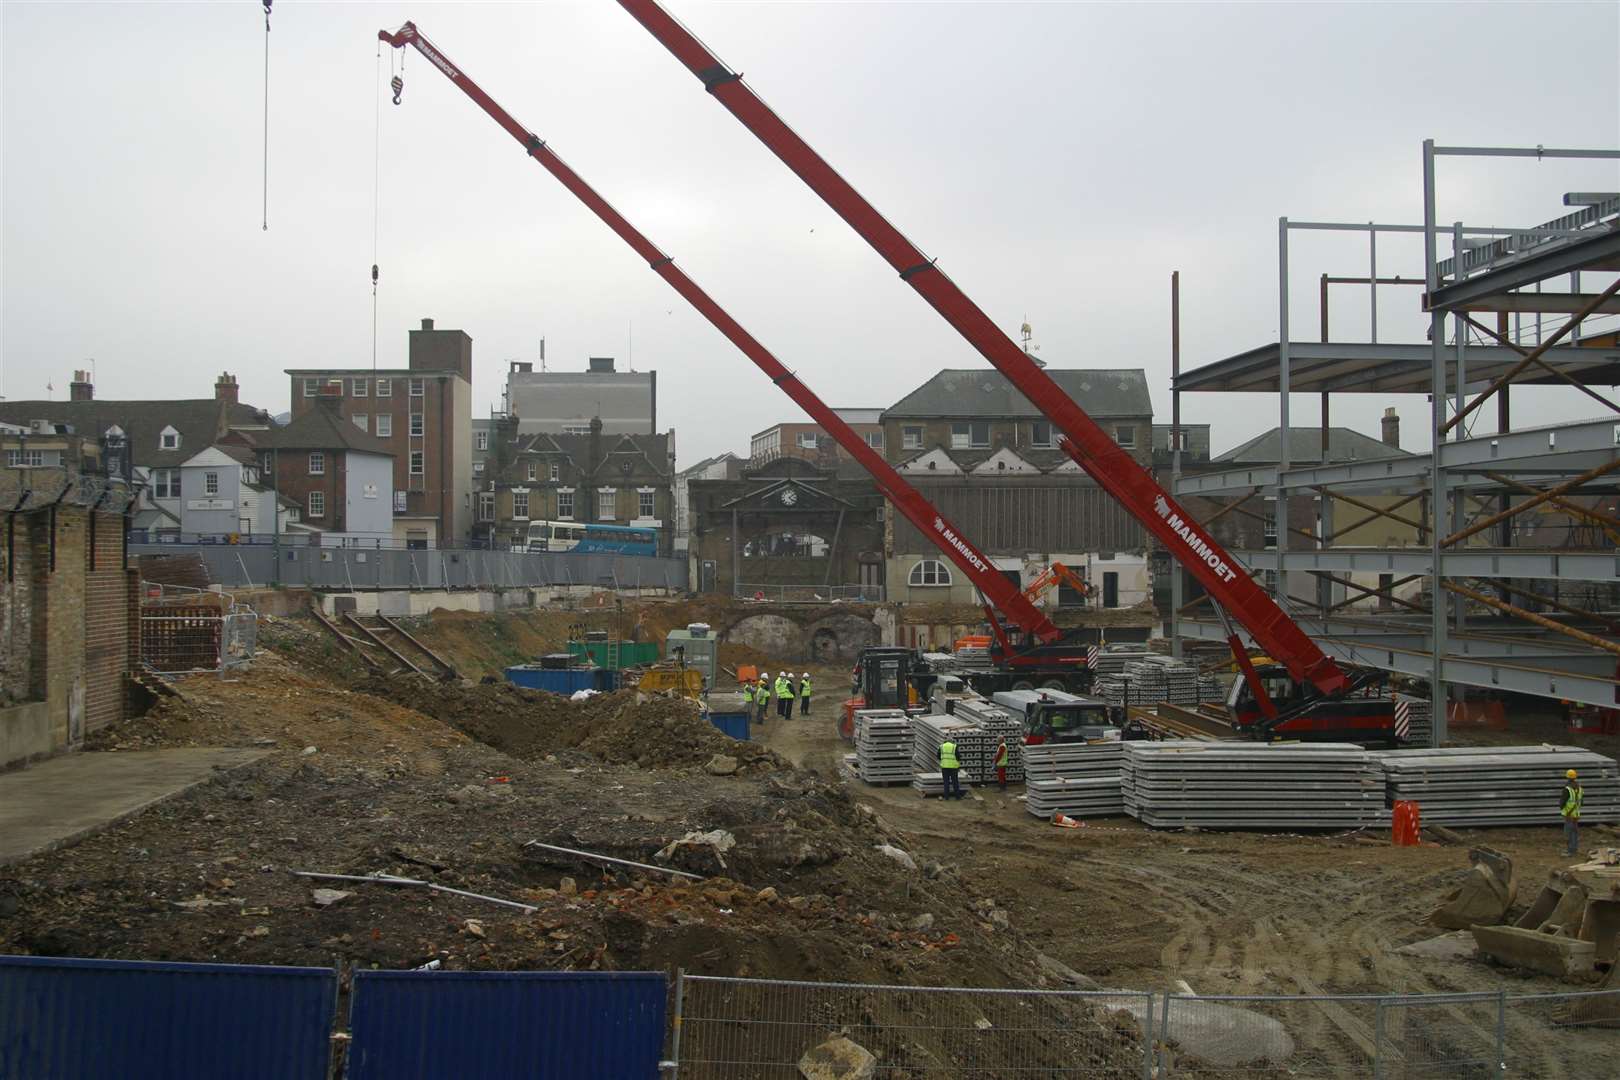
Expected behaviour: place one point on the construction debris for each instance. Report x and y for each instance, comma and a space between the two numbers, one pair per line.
390, 879
1231, 785
1485, 895
1506, 785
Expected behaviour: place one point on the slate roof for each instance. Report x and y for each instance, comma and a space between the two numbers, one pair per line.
977, 392
323, 429
200, 422
1305, 446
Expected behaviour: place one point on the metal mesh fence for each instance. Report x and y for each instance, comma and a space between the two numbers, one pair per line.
739, 1029
1440, 1036
1563, 1035
1267, 1037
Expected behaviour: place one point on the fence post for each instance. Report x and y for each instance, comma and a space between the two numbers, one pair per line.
1164, 1038
1378, 1040
1147, 1039
1501, 1030
675, 1025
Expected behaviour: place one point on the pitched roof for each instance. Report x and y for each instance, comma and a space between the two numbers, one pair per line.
200, 422
1101, 392
323, 429
1305, 445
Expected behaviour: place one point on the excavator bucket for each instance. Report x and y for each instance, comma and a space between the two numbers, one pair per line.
1572, 930
1485, 895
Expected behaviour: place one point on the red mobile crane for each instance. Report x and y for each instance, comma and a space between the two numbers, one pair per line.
1317, 703
1316, 699
1045, 654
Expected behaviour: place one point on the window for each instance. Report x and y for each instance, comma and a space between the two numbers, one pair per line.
478, 468
911, 438
930, 572
416, 425
317, 504
399, 502
317, 463
520, 504
1125, 435
1271, 528
486, 506
480, 440
874, 439
312, 387
416, 388
645, 505
362, 421
417, 467
576, 429
806, 440
565, 504
165, 483
534, 472
25, 459
556, 472
385, 387
385, 424
169, 439
210, 483
1040, 433
358, 387
967, 435
606, 504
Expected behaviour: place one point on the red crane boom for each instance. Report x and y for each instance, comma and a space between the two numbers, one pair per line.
1091, 447
990, 582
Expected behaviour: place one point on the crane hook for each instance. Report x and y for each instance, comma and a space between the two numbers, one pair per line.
399, 88
267, 4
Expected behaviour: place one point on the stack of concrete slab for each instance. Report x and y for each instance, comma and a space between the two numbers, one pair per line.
1077, 779
1285, 786
1150, 680
883, 746
933, 783
929, 733
977, 750
1111, 659
1420, 718
1504, 785
1210, 689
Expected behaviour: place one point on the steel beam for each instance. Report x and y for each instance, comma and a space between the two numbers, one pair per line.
1602, 248
1466, 562
1538, 303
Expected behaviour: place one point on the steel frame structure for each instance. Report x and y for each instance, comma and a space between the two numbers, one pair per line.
1470, 487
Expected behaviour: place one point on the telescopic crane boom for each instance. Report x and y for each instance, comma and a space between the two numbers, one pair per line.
990, 582
1090, 447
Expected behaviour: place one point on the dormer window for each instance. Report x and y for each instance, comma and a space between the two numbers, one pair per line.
168, 439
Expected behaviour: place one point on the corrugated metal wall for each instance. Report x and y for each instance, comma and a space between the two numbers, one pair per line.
64, 1019
1012, 516
476, 1024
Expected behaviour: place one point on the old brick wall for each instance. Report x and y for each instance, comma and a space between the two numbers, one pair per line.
106, 622
17, 675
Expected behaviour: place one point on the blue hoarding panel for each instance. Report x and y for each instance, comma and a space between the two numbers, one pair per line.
416, 1025
63, 1019
733, 724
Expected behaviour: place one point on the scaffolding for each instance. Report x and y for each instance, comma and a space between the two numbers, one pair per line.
1489, 601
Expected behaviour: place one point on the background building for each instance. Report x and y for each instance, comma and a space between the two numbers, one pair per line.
565, 402
423, 415
726, 466
811, 442
340, 478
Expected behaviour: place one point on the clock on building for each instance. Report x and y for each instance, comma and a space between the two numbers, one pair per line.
789, 496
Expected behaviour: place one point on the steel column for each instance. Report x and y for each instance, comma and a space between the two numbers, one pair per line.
1437, 430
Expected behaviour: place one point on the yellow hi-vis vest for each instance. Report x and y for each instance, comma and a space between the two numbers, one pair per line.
947, 756
804, 687
763, 694
1572, 802
784, 688
1001, 756
748, 693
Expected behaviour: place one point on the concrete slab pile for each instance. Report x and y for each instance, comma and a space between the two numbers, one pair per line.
996, 724
1152, 679
883, 746
1420, 714
1506, 785
1077, 779
1237, 786
928, 734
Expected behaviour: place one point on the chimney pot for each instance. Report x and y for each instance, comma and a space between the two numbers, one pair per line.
225, 388
427, 324
1392, 428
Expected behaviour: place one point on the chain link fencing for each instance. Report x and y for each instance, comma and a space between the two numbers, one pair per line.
732, 1029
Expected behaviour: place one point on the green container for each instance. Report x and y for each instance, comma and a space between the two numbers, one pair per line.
614, 655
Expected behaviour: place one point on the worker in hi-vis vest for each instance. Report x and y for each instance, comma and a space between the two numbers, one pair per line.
748, 695
948, 769
784, 692
762, 696
804, 694
1001, 765
1572, 813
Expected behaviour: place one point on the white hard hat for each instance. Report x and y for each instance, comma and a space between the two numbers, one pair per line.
806, 675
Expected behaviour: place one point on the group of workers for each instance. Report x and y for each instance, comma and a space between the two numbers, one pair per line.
784, 690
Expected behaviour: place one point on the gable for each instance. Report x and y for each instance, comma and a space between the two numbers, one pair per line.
936, 461
1003, 462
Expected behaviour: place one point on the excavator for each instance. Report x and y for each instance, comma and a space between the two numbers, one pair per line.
1322, 702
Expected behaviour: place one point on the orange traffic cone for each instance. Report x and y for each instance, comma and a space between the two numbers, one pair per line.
1064, 821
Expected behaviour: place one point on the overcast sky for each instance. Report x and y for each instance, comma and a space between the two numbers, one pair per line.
1059, 159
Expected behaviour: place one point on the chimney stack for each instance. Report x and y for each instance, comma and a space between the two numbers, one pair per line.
1392, 428
601, 364
225, 388
427, 324
81, 389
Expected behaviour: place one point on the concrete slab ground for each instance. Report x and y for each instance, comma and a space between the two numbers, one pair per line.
62, 800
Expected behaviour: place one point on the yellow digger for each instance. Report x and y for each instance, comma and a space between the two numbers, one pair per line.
672, 679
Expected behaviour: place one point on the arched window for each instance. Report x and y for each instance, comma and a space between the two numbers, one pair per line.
930, 572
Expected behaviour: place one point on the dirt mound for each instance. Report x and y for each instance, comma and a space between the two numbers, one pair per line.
623, 728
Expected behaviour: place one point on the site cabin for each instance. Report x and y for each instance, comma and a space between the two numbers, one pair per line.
1059, 717
695, 647
590, 537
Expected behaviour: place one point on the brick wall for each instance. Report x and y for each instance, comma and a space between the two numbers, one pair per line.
106, 622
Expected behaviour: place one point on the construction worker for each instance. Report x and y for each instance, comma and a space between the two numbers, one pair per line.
748, 695
1572, 813
784, 693
1001, 765
948, 769
762, 695
804, 694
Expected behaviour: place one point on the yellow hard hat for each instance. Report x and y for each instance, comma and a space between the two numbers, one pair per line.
1570, 774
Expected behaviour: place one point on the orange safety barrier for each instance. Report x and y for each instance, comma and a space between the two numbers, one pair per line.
1405, 823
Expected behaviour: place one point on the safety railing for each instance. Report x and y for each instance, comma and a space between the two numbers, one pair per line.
732, 1028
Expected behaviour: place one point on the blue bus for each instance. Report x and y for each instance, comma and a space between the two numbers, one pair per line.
592, 537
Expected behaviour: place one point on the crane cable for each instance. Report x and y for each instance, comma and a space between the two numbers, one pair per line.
376, 190
265, 208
